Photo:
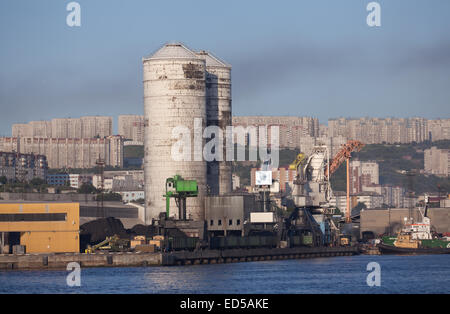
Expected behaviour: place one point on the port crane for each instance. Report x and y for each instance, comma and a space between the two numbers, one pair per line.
314, 171
179, 189
312, 188
344, 154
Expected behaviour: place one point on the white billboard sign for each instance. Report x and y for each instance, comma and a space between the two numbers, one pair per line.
263, 177
266, 217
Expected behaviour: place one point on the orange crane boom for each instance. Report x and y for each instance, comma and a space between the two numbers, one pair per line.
344, 154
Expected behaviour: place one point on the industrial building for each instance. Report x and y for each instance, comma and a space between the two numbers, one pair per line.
230, 215
218, 113
40, 227
181, 88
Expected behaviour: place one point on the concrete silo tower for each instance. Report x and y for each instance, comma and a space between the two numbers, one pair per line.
218, 112
174, 96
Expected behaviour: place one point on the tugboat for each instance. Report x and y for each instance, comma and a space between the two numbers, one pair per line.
415, 238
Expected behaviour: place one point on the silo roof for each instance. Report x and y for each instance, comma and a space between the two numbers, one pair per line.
173, 51
212, 60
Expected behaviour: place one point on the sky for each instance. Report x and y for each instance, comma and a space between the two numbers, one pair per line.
303, 58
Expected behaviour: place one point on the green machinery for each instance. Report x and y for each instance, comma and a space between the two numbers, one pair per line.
179, 189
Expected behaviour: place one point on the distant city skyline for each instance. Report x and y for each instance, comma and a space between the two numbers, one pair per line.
297, 58
115, 128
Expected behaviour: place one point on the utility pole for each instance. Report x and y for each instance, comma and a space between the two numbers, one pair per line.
100, 169
348, 219
411, 193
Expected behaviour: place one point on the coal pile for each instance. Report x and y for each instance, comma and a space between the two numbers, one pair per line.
97, 230
148, 231
175, 233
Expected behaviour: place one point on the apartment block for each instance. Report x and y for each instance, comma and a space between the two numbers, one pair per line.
439, 129
334, 144
393, 196
131, 127
9, 144
437, 161
291, 128
84, 127
369, 199
69, 152
363, 174
23, 167
377, 130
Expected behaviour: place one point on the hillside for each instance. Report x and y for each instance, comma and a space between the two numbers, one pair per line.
395, 159
392, 159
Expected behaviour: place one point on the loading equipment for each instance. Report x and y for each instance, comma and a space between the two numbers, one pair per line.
179, 189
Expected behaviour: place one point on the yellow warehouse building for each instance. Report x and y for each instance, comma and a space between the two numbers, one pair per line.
43, 227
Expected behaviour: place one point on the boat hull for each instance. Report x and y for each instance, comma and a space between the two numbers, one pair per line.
390, 249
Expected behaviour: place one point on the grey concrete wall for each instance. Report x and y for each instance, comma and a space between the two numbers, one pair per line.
381, 221
43, 261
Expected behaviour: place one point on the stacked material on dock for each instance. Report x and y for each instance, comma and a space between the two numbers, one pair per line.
99, 229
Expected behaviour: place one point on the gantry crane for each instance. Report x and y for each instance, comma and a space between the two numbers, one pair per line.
179, 189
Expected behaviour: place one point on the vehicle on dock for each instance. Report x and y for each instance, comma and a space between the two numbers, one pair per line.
110, 244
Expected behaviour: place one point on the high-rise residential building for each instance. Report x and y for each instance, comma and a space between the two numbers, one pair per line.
96, 126
291, 129
393, 195
115, 151
73, 152
131, 127
59, 128
23, 167
437, 161
439, 129
74, 128
9, 144
376, 130
41, 128
84, 127
334, 144
363, 174
21, 130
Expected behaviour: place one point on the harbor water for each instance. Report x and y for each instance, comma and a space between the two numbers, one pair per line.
348, 274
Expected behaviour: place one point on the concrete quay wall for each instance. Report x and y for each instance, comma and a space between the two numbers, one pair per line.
60, 261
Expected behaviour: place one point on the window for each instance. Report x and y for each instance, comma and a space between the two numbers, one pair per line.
33, 217
238, 222
211, 223
230, 222
219, 222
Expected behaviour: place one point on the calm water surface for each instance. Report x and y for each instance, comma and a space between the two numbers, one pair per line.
399, 274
